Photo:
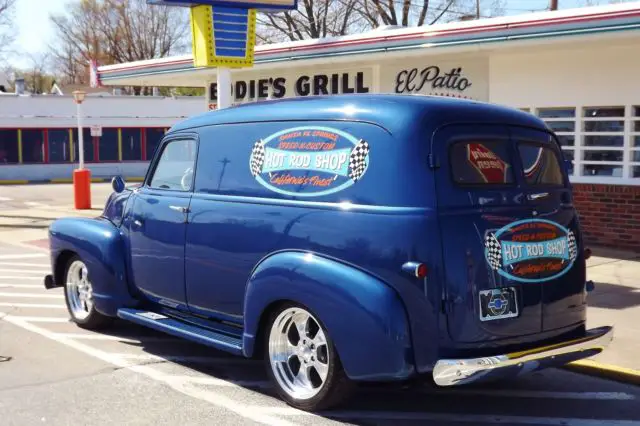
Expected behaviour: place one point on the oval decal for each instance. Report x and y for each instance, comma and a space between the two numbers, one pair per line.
533, 250
309, 161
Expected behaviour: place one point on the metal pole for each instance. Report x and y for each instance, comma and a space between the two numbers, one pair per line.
477, 9
80, 137
224, 87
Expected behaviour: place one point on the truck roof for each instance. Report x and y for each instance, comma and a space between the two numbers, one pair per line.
394, 112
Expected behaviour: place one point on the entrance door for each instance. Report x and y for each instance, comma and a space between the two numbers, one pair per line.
157, 226
480, 198
555, 264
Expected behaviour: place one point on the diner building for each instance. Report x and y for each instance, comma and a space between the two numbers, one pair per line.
577, 69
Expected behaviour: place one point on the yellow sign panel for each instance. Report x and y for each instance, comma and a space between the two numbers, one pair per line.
223, 36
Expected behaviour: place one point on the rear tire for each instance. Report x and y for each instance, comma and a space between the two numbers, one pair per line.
78, 295
302, 362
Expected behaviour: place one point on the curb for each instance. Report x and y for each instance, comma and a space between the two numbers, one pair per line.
64, 180
607, 371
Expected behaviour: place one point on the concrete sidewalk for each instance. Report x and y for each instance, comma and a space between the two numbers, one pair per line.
615, 300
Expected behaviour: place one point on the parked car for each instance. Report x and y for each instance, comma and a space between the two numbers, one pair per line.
345, 239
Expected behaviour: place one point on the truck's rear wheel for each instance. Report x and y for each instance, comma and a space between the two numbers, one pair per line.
302, 360
78, 293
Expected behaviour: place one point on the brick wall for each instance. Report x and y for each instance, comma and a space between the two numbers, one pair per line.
609, 214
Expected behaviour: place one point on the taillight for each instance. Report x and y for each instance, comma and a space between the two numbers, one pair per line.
417, 269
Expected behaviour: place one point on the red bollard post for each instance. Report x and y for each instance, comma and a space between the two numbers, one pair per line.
82, 189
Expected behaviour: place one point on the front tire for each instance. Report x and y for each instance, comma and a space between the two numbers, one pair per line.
302, 361
78, 295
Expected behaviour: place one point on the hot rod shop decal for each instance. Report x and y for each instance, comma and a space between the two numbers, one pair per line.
532, 250
309, 161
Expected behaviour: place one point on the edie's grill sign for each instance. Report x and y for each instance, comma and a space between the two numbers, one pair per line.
431, 79
304, 85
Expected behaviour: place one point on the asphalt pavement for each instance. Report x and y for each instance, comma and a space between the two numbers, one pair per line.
53, 372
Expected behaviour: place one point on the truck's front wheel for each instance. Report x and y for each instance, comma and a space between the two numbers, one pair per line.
78, 293
302, 360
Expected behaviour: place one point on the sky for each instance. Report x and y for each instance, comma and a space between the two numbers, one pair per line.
34, 28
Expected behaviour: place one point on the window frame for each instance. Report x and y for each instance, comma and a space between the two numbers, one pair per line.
486, 185
559, 158
166, 140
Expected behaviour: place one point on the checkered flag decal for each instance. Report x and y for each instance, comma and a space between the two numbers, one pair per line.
257, 158
573, 246
494, 251
357, 160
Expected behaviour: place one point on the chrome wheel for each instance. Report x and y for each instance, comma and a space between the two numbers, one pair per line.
78, 290
298, 353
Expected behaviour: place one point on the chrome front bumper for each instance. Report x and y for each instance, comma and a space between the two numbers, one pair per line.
450, 372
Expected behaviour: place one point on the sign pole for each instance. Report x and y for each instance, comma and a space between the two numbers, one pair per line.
224, 87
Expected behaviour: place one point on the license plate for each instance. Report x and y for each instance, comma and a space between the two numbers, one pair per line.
498, 303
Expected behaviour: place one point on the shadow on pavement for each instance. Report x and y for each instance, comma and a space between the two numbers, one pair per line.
614, 296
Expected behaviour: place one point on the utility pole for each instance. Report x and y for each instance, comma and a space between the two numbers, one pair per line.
553, 5
477, 9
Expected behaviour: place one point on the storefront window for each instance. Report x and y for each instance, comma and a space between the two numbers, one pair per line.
32, 146
602, 147
566, 140
109, 145
556, 112
602, 170
153, 137
131, 145
562, 126
9, 146
87, 142
59, 147
635, 172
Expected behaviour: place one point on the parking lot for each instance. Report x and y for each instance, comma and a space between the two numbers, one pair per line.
53, 372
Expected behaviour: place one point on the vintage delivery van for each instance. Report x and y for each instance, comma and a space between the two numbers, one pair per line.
345, 239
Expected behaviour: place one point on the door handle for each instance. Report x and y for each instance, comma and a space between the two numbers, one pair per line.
179, 209
537, 196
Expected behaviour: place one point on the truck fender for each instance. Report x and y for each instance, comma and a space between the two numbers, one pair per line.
364, 317
100, 244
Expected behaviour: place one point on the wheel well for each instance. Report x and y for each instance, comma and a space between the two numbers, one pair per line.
61, 264
258, 347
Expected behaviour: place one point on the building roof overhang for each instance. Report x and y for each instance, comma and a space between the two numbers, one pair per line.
587, 25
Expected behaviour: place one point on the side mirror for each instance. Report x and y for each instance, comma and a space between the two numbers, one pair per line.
118, 184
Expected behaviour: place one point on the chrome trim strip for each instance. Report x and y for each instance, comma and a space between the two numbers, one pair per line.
451, 372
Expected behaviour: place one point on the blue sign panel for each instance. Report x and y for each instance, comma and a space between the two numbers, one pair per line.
532, 250
245, 4
309, 161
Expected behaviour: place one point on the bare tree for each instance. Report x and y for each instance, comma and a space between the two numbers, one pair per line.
7, 33
115, 31
312, 19
322, 18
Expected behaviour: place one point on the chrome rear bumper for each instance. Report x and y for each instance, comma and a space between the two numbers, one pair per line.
450, 372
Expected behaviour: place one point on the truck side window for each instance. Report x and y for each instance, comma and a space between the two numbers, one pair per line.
175, 166
540, 164
482, 162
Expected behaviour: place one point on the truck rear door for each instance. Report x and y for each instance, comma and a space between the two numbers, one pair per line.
557, 265
480, 198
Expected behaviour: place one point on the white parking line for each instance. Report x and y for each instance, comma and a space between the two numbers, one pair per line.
21, 271
22, 256
21, 277
32, 286
455, 418
218, 399
29, 265
32, 295
32, 305
38, 319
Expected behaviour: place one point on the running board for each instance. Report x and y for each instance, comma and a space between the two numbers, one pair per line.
180, 329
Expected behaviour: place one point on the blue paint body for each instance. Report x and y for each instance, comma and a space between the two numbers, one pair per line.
220, 255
